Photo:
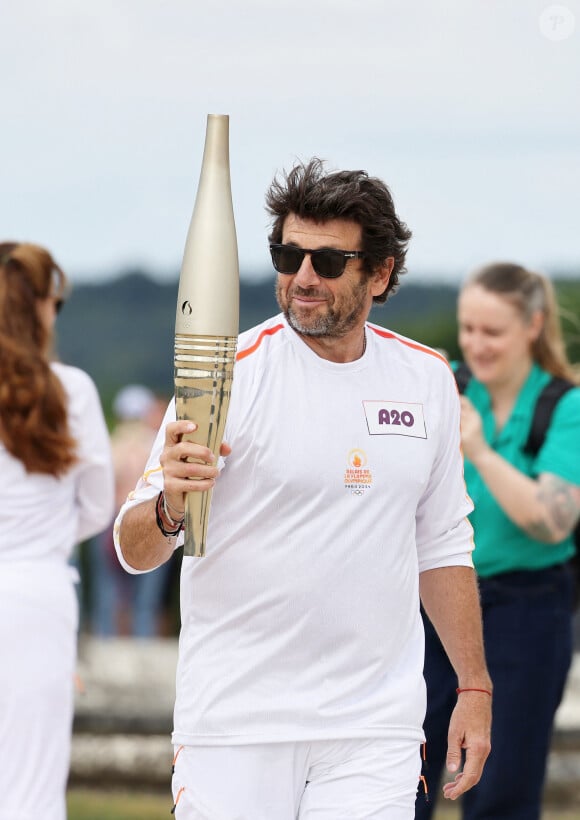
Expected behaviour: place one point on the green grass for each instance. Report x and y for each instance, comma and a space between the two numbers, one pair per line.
90, 804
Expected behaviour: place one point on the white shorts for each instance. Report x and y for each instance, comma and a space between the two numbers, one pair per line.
371, 779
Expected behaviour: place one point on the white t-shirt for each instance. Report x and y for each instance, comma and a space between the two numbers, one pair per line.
344, 482
42, 517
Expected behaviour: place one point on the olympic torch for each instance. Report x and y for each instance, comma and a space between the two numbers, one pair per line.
207, 316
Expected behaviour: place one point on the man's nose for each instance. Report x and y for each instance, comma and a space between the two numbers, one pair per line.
306, 275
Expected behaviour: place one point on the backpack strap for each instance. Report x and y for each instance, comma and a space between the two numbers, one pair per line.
462, 376
545, 406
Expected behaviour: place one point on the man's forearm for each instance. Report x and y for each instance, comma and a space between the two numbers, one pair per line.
451, 600
142, 543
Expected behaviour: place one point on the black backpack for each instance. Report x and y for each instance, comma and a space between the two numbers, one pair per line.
545, 406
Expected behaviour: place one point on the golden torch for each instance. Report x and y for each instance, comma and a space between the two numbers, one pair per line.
207, 316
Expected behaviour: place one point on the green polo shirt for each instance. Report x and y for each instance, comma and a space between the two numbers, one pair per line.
501, 546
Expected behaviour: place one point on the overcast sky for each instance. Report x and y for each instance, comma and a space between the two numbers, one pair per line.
468, 109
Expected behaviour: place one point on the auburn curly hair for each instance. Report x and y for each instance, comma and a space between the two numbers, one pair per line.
33, 405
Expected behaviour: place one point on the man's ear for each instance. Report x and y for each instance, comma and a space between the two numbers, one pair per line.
381, 276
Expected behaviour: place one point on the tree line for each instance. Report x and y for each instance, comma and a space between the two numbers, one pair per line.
121, 330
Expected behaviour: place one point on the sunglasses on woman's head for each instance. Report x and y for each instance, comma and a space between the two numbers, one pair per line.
327, 262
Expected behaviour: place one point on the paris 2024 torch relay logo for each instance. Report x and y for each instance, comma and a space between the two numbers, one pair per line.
357, 477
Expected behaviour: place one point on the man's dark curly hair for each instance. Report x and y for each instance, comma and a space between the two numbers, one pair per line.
310, 193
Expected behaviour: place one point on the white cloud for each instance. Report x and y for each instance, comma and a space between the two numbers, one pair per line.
105, 105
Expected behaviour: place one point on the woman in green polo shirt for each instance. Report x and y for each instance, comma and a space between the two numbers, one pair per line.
526, 507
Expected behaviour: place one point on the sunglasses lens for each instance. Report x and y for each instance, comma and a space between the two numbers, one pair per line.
58, 303
286, 259
328, 264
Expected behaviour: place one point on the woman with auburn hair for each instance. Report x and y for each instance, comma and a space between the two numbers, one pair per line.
57, 490
527, 503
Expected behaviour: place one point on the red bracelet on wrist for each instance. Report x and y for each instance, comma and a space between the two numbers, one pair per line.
472, 689
165, 523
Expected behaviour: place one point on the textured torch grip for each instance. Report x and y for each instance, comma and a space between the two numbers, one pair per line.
204, 367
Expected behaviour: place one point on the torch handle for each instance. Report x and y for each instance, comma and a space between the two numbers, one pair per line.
204, 368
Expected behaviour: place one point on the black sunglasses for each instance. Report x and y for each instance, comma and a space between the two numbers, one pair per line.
58, 304
327, 262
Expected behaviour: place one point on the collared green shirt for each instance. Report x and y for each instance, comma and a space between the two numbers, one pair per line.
500, 545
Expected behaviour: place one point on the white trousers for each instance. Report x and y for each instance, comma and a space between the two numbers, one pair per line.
371, 779
38, 623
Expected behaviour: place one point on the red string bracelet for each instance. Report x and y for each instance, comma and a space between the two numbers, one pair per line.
163, 518
469, 689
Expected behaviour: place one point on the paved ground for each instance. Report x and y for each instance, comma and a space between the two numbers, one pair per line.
124, 717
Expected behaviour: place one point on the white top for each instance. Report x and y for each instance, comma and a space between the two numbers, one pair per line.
43, 517
345, 481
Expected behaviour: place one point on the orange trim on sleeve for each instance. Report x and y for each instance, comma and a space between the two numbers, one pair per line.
145, 476
249, 350
386, 334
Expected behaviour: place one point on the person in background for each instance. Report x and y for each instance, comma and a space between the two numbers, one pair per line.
526, 507
57, 489
339, 502
123, 604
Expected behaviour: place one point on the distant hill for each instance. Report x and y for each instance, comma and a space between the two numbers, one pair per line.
121, 331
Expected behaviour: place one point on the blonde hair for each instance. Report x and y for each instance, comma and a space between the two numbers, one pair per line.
33, 405
529, 292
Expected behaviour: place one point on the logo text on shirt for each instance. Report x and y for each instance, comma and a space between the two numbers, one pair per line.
395, 418
357, 477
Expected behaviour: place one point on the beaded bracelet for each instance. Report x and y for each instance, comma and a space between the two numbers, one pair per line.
470, 689
162, 516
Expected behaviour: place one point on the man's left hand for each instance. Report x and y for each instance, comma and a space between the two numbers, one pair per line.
469, 730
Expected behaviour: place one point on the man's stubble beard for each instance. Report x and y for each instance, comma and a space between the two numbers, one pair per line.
329, 325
